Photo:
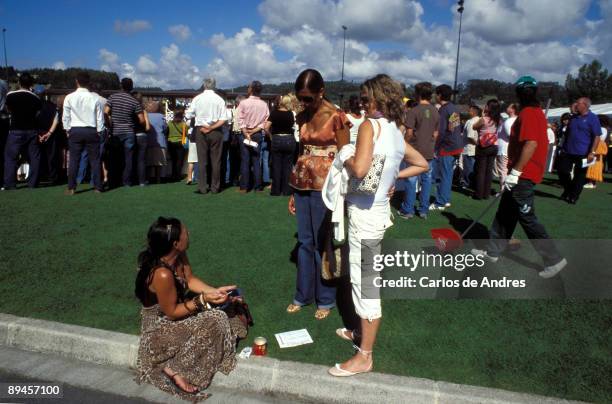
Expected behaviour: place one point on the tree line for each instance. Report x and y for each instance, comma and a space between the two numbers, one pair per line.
592, 80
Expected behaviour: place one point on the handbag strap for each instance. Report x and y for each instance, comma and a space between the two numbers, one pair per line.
376, 136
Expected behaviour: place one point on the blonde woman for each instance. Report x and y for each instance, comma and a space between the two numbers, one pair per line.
279, 127
370, 215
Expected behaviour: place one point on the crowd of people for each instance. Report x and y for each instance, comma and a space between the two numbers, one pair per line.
329, 161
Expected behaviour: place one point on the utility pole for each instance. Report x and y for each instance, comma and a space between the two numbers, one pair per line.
344, 28
460, 11
5, 58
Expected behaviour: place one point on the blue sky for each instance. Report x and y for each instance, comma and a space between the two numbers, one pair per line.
272, 40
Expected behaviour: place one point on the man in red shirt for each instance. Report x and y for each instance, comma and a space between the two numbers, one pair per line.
527, 151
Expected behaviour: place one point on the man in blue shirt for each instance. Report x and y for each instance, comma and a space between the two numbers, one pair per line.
580, 143
449, 146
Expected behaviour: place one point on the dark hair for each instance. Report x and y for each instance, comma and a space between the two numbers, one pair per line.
477, 109
494, 110
411, 103
387, 93
527, 96
162, 235
603, 121
179, 113
127, 84
83, 79
565, 116
445, 92
26, 80
311, 80
424, 90
256, 87
354, 105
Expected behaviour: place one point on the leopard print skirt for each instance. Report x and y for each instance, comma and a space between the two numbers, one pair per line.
195, 347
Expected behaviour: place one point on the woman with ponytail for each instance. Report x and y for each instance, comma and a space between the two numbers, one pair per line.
184, 341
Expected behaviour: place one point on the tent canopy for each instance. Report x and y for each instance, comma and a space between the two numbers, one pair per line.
599, 109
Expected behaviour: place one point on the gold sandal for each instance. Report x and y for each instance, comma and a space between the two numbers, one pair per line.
293, 308
321, 314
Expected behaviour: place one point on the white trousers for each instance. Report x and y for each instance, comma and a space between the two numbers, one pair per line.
366, 230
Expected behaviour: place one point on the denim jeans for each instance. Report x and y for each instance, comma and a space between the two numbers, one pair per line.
84, 162
468, 170
79, 140
517, 206
265, 159
283, 148
444, 179
142, 142
410, 185
250, 158
128, 141
313, 221
16, 142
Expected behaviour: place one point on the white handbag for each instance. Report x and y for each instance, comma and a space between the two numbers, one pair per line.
368, 185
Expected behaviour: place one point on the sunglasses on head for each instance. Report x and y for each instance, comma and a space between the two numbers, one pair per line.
305, 100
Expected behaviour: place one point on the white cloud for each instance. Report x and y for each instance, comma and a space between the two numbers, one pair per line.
173, 70
180, 32
365, 19
131, 27
502, 39
512, 21
59, 65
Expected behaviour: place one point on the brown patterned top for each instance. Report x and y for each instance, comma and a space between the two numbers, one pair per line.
318, 150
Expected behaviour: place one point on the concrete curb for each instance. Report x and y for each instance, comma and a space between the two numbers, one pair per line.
261, 375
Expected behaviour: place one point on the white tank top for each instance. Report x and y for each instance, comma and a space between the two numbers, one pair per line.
390, 142
355, 128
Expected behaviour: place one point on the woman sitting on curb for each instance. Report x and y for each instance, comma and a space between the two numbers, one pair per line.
184, 342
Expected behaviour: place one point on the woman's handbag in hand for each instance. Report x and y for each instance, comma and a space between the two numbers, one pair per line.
368, 185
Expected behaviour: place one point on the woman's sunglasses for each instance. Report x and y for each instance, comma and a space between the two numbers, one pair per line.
305, 100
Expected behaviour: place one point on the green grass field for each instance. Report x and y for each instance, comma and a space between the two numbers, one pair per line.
73, 260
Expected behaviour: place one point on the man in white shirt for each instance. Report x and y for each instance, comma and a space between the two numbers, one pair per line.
209, 112
470, 137
503, 138
83, 120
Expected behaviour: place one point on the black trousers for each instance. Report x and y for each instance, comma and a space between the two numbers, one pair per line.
210, 148
79, 139
485, 160
571, 187
4, 129
282, 151
517, 206
177, 154
50, 154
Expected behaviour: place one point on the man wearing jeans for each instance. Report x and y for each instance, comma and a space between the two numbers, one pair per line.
252, 116
23, 106
210, 115
122, 110
449, 146
83, 121
527, 151
580, 143
422, 130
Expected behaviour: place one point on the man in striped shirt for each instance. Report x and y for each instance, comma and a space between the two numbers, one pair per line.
122, 110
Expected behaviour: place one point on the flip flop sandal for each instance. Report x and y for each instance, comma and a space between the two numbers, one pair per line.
322, 314
293, 308
342, 333
177, 388
337, 371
